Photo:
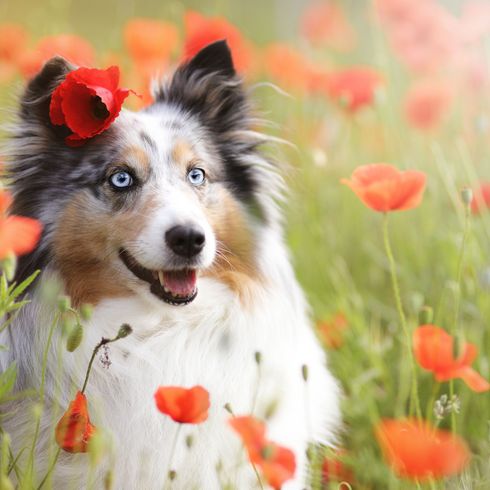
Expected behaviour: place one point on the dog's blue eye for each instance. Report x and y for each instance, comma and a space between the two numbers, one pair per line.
196, 176
121, 180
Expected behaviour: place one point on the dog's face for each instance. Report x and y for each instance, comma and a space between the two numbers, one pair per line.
163, 197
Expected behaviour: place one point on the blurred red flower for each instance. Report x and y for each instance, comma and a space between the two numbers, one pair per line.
331, 331
74, 430
87, 102
277, 463
13, 42
423, 33
74, 48
201, 31
384, 188
481, 198
150, 43
418, 451
288, 67
184, 405
427, 102
355, 87
325, 23
434, 350
334, 470
18, 235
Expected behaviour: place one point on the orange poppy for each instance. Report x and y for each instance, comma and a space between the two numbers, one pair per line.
325, 23
355, 87
74, 430
151, 42
433, 349
201, 31
481, 198
277, 463
384, 188
184, 405
426, 103
418, 451
74, 48
288, 67
18, 234
331, 331
13, 41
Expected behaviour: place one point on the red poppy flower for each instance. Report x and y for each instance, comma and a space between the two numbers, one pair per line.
184, 405
18, 235
481, 198
384, 188
74, 429
277, 463
74, 48
426, 104
201, 31
148, 39
87, 102
331, 331
325, 23
433, 349
418, 451
355, 87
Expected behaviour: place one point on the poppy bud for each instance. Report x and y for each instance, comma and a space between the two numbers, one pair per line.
124, 331
74, 429
426, 315
64, 303
74, 338
304, 372
86, 312
258, 357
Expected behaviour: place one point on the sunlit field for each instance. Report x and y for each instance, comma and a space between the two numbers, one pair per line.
343, 84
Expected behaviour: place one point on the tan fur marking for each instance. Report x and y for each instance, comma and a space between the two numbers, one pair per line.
138, 157
86, 247
183, 154
235, 264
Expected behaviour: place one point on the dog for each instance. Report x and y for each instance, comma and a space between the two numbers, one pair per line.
168, 221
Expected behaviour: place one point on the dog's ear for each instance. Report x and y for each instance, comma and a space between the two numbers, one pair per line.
37, 96
208, 87
214, 58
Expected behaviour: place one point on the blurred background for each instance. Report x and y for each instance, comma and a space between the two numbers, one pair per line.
404, 82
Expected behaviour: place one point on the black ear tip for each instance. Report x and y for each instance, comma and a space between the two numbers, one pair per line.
215, 57
53, 70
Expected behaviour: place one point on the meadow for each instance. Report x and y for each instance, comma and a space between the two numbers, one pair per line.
352, 83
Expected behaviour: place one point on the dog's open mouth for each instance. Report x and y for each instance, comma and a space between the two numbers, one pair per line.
176, 287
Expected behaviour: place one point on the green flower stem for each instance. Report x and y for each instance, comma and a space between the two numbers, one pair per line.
457, 300
414, 402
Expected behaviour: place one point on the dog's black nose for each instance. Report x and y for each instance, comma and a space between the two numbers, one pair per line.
185, 241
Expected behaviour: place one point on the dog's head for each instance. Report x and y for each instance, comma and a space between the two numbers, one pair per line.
164, 196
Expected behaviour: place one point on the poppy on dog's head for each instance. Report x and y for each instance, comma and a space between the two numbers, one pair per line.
87, 102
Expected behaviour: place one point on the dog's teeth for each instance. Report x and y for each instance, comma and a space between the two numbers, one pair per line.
160, 277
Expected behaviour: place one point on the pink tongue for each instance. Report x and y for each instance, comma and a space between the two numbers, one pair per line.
180, 282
